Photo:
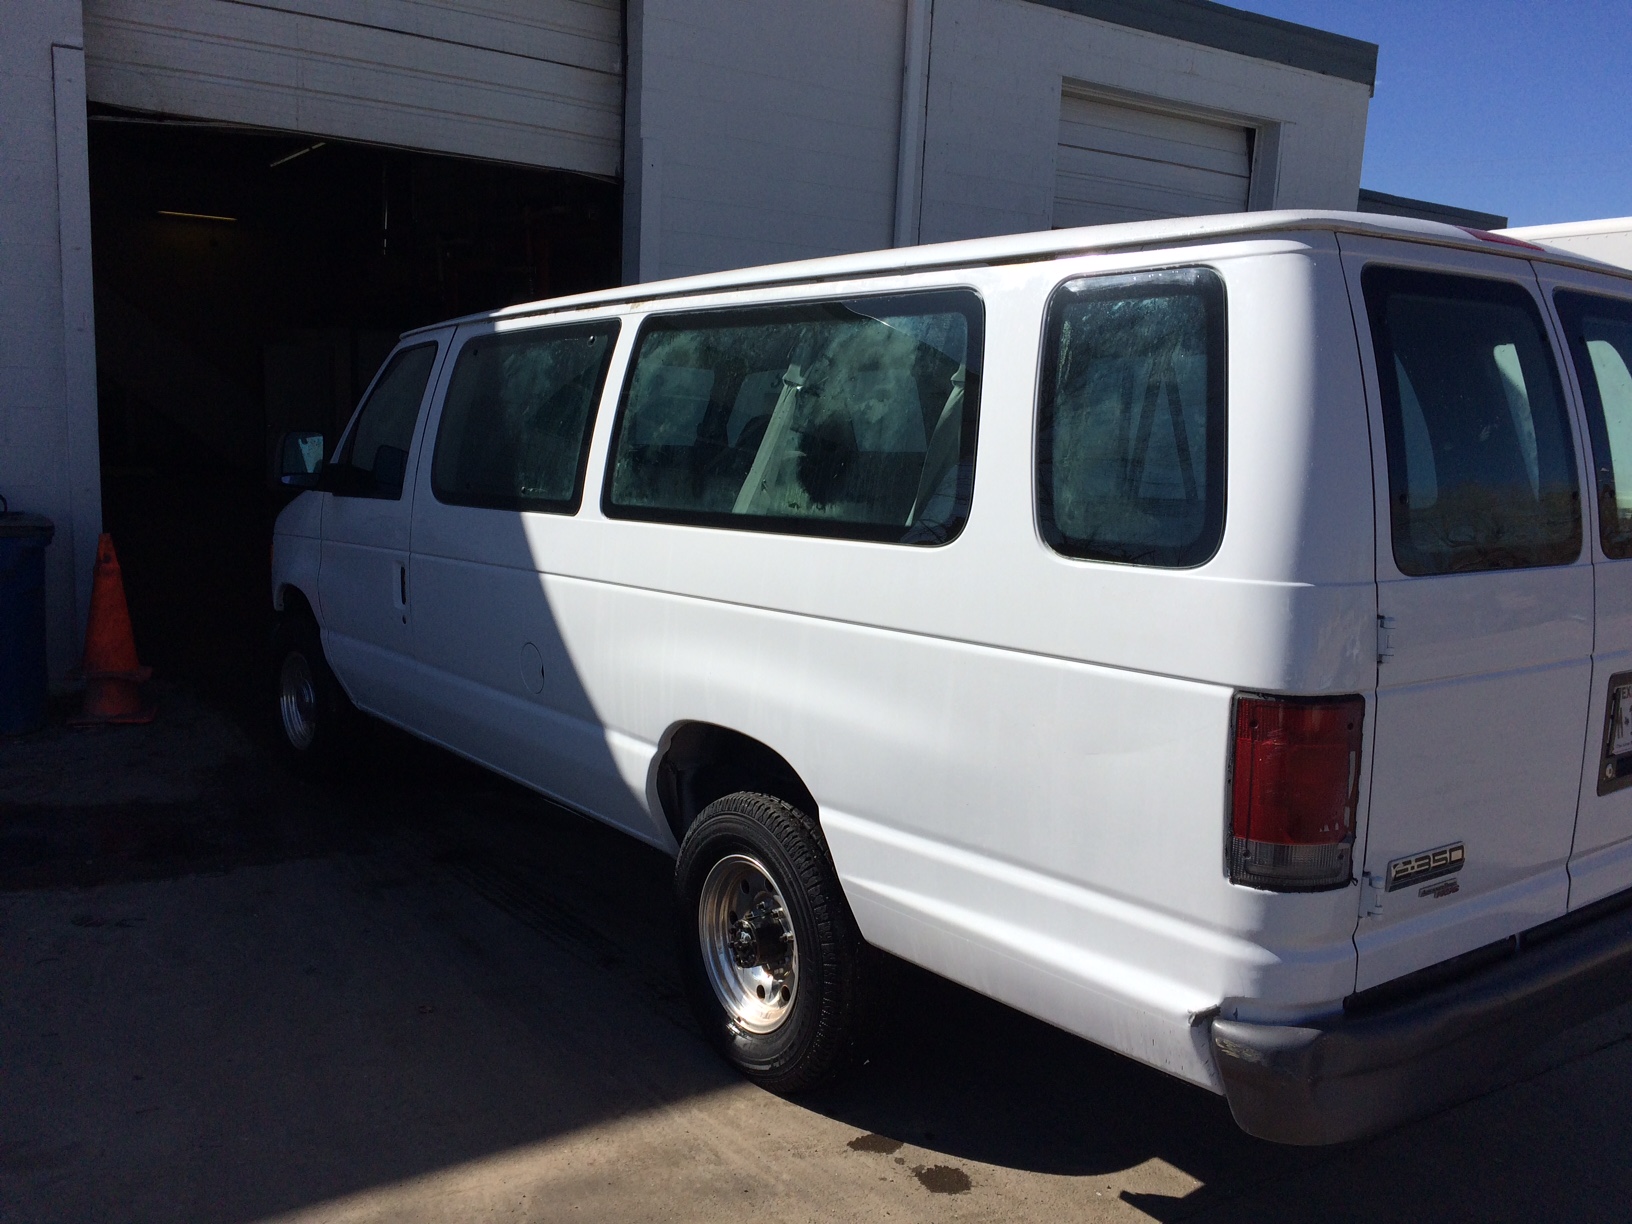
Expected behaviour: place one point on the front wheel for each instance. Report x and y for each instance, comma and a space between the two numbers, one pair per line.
317, 719
771, 956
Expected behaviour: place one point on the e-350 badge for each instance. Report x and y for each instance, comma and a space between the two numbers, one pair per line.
1429, 865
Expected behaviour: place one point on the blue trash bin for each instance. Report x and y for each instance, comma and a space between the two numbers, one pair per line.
23, 538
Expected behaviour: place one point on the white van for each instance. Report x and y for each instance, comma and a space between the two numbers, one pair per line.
1213, 636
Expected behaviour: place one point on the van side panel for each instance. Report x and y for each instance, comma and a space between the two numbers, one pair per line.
297, 548
1020, 759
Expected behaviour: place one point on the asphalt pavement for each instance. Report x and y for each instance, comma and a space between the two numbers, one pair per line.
422, 993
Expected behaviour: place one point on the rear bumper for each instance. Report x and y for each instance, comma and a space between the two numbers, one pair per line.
1377, 1066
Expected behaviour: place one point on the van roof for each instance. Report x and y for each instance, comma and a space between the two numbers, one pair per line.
1045, 244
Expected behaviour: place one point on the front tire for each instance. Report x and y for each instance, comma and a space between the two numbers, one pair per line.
772, 959
317, 720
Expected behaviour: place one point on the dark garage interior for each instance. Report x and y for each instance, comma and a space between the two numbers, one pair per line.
250, 282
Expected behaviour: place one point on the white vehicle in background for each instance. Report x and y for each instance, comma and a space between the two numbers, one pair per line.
1212, 636
1609, 240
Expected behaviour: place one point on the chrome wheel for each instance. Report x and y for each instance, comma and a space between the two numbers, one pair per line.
748, 945
297, 700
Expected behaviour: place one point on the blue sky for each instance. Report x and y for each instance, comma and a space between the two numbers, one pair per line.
1512, 108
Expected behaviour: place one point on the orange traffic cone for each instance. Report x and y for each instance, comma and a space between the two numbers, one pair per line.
112, 675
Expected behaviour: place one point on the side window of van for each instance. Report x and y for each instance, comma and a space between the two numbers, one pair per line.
851, 418
375, 455
1599, 330
1130, 431
1481, 461
517, 418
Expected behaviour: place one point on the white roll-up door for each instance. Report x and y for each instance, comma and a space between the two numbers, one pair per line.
537, 82
1123, 163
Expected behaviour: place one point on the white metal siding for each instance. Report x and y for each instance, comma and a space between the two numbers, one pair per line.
777, 126
538, 82
1125, 163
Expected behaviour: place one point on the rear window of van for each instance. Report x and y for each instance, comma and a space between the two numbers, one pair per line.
1130, 436
1599, 331
852, 418
1481, 459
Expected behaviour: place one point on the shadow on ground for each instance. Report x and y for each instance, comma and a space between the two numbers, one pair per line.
229, 994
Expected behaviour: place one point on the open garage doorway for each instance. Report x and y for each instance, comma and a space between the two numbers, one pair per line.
250, 282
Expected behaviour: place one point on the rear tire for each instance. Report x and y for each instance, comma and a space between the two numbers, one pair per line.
772, 960
316, 720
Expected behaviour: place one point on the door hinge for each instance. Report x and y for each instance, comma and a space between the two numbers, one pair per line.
1371, 899
1385, 638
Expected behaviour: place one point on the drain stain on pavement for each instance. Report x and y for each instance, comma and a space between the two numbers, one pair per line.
882, 1144
942, 1179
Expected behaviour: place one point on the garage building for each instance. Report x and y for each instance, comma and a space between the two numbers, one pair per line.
219, 213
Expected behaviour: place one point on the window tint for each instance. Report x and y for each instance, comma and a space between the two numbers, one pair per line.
1599, 331
849, 418
1130, 437
517, 418
375, 457
1481, 463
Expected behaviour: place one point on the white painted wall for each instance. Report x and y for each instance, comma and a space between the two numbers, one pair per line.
756, 133
996, 72
49, 462
538, 82
760, 132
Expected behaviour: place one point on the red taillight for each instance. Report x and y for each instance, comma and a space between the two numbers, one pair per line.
1293, 791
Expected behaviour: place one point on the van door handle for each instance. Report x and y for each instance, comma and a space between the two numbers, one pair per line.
402, 591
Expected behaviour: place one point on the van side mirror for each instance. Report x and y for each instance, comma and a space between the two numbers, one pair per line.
301, 458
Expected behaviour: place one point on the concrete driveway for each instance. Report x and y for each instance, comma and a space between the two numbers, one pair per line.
424, 994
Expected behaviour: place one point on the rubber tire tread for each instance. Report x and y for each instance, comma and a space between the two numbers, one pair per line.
337, 718
822, 1035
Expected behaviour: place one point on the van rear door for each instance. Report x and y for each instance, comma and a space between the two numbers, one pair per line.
1485, 606
1594, 312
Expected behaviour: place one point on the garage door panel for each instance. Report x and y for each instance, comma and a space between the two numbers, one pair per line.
1122, 162
584, 33
1083, 115
1131, 199
277, 68
1077, 138
1134, 198
1112, 202
1083, 165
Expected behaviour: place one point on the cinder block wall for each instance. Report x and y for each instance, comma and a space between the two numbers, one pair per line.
48, 442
